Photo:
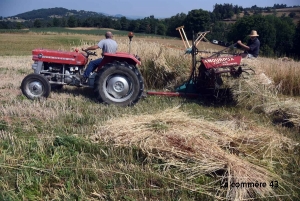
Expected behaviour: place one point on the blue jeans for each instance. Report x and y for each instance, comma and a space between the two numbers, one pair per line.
91, 67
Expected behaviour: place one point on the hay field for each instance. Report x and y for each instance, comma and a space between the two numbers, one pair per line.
71, 147
25, 42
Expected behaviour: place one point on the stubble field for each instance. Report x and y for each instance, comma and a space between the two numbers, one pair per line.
70, 147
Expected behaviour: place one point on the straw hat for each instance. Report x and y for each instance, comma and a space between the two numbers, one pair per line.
253, 33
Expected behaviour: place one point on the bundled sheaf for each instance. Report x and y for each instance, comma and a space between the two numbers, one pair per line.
230, 152
261, 93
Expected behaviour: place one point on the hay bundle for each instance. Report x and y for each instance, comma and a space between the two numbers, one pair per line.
197, 147
260, 94
165, 69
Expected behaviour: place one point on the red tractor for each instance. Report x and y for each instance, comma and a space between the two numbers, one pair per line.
117, 80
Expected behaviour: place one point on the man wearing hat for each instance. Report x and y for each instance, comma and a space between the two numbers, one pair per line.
252, 47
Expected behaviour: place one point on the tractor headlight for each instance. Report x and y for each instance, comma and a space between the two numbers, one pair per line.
34, 65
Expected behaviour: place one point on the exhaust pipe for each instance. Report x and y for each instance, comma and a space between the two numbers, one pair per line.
130, 36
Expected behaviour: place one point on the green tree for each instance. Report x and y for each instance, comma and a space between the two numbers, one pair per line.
161, 29
79, 22
107, 22
3, 25
49, 24
285, 30
225, 11
219, 31
117, 25
64, 22
19, 25
145, 26
124, 23
153, 24
37, 23
197, 21
174, 22
88, 22
296, 44
56, 22
134, 25
98, 22
72, 21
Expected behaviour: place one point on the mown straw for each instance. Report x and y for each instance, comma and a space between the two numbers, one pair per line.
200, 147
261, 94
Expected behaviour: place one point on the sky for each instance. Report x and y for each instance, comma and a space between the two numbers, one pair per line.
142, 8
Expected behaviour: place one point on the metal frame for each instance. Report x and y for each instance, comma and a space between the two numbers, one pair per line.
200, 37
183, 37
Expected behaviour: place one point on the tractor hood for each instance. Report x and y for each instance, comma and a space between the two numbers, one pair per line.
62, 57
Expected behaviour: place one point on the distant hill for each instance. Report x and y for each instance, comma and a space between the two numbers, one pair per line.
45, 13
293, 12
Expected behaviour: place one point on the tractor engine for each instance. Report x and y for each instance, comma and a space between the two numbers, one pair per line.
59, 67
61, 73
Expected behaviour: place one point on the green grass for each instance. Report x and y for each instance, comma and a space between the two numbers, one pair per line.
23, 44
105, 172
20, 31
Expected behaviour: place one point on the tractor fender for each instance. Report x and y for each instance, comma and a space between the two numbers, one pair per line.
121, 57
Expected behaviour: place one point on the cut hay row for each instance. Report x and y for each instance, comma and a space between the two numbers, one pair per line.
283, 72
261, 93
197, 147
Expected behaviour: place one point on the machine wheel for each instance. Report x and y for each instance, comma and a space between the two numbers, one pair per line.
119, 83
35, 86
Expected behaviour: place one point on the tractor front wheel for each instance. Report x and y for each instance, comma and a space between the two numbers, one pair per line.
35, 86
119, 83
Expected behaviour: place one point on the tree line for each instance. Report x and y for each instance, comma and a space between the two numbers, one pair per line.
279, 36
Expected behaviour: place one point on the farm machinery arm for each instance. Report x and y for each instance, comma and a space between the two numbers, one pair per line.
206, 72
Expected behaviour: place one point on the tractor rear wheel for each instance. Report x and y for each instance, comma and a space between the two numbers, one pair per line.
35, 86
119, 83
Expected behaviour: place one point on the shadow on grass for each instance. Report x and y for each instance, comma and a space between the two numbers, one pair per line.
217, 98
208, 97
86, 92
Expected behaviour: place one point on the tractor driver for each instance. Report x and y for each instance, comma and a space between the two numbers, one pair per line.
108, 45
252, 47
